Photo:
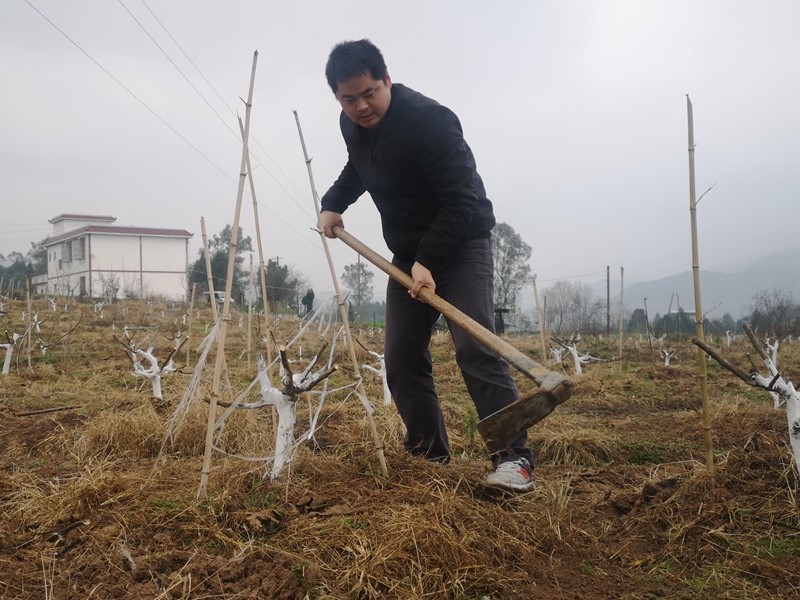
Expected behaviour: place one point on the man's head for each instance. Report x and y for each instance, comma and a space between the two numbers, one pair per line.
357, 74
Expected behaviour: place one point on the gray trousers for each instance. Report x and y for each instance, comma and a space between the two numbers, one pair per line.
466, 282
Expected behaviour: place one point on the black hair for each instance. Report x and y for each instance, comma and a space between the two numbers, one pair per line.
354, 58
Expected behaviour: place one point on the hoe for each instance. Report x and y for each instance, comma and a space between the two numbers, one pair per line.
518, 416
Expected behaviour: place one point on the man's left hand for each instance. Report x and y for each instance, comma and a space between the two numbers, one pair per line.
421, 277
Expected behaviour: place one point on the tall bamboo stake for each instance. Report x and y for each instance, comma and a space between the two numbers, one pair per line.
226, 315
647, 327
212, 292
250, 311
189, 321
343, 312
209, 276
621, 311
261, 268
541, 321
30, 321
698, 310
608, 300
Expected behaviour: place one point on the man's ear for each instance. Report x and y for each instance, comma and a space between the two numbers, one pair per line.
388, 80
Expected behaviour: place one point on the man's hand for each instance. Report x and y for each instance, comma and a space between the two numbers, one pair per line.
328, 220
421, 277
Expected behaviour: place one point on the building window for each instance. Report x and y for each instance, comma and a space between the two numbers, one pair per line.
66, 252
79, 249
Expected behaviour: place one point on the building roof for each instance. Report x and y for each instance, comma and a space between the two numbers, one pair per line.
115, 230
72, 216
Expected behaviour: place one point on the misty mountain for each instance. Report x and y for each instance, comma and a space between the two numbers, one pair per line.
731, 290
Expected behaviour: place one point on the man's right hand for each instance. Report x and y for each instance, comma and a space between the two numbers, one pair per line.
328, 220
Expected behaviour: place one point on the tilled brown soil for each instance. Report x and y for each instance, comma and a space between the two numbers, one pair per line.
624, 505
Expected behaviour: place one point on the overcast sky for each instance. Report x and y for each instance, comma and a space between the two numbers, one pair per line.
575, 111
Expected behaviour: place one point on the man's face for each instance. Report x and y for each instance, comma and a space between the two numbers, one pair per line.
364, 99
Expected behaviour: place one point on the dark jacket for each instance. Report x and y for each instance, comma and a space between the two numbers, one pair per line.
421, 175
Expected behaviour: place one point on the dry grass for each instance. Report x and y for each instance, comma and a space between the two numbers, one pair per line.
623, 507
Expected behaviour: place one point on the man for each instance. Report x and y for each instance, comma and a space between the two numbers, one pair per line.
409, 153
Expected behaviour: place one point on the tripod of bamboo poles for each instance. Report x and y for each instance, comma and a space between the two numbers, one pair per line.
226, 315
698, 311
343, 312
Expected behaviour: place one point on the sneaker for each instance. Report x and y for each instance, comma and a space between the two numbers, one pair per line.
514, 475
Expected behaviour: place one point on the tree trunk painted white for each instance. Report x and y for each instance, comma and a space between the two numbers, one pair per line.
153, 373
777, 400
774, 382
381, 372
7, 362
576, 359
556, 354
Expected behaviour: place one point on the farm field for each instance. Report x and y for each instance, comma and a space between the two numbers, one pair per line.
91, 506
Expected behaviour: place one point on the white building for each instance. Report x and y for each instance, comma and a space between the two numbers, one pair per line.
87, 255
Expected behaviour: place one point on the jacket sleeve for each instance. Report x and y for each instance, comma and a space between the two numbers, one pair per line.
449, 170
345, 190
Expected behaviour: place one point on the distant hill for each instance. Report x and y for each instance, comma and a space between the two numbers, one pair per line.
732, 289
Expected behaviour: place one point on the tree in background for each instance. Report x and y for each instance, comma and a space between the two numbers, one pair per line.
638, 322
676, 322
775, 312
218, 251
358, 281
37, 258
571, 307
20, 267
511, 269
283, 287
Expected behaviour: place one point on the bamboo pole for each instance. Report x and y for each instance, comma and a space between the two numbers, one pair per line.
608, 301
540, 316
212, 298
261, 268
621, 312
30, 321
226, 306
647, 328
212, 292
250, 312
343, 313
189, 322
698, 310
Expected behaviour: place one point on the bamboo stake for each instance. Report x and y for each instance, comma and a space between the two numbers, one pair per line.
343, 312
261, 268
212, 292
621, 312
608, 301
212, 298
226, 314
189, 321
29, 339
541, 321
250, 312
698, 310
647, 328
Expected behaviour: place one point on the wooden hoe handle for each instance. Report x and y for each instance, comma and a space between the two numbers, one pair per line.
549, 381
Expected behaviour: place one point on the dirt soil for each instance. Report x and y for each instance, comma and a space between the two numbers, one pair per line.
95, 502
